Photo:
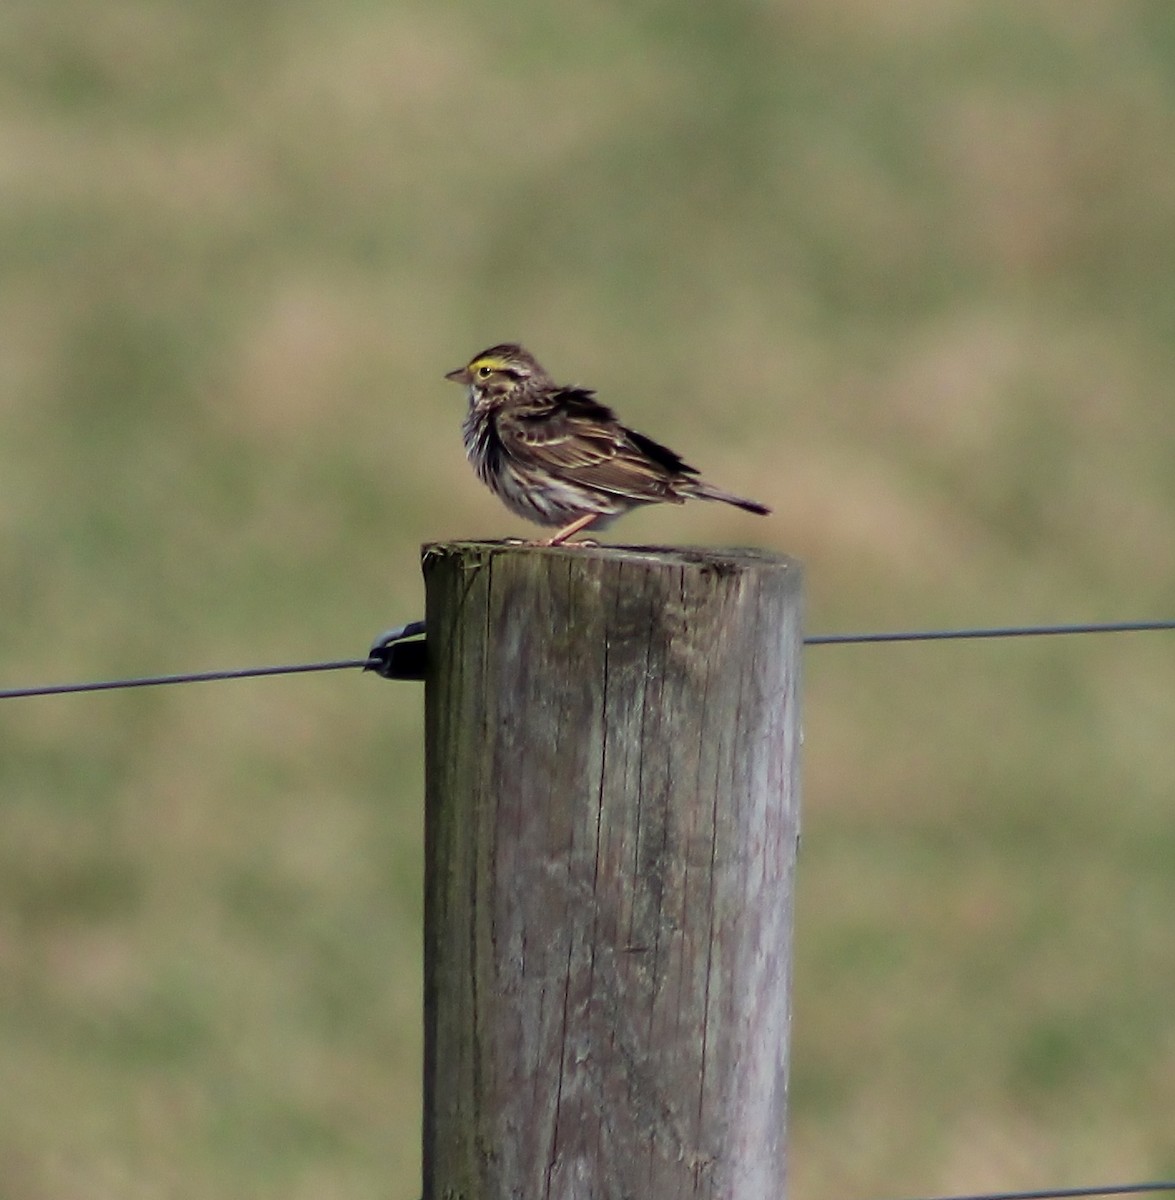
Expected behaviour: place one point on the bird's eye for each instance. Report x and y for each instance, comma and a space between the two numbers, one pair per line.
484, 372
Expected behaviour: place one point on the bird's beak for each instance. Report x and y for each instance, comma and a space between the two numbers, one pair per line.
460, 375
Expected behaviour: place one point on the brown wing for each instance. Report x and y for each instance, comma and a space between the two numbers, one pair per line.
574, 437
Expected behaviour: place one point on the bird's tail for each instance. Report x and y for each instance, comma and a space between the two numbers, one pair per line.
706, 491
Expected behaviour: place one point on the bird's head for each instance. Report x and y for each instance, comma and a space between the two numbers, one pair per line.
499, 371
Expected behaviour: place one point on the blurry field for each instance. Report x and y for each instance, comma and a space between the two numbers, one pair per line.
905, 271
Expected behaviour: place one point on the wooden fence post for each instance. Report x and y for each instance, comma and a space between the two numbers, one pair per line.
611, 824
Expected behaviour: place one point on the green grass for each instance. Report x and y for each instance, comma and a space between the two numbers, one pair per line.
903, 271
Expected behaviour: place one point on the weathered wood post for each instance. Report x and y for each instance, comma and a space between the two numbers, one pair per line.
612, 816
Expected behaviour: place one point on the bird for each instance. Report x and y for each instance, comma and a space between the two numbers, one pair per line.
552, 453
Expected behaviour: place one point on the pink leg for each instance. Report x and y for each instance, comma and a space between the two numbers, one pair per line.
572, 529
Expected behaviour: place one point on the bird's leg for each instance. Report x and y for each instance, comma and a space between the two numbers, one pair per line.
572, 529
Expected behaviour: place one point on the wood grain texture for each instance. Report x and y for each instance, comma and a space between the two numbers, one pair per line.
612, 817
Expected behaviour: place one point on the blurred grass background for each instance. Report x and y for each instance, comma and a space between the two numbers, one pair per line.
904, 271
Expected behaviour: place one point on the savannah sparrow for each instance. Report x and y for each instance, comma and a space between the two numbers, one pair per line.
557, 456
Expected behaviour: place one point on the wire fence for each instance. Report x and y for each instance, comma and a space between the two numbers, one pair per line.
995, 631
1070, 1193
397, 654
113, 685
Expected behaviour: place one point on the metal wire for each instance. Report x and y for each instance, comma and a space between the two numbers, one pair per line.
1113, 1189
999, 631
110, 685
376, 660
